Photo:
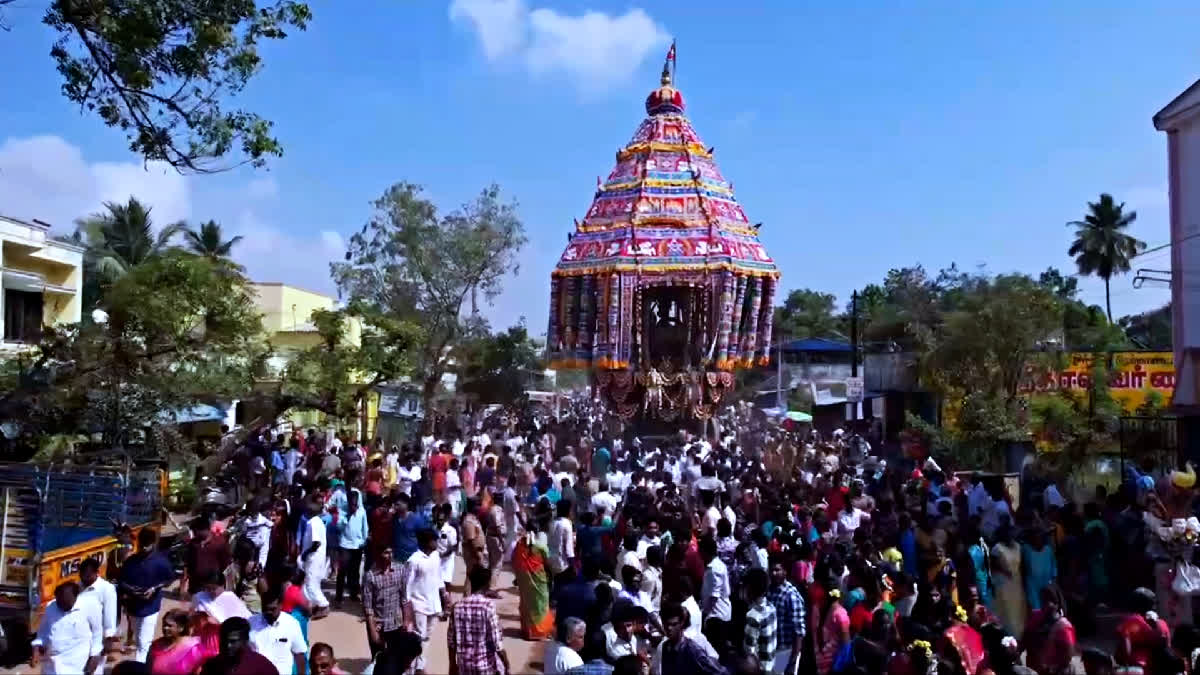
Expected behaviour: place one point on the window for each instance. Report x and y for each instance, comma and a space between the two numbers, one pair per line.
22, 316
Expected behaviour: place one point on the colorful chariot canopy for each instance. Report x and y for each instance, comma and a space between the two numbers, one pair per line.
665, 271
665, 207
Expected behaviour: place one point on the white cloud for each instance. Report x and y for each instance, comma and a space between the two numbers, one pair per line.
333, 241
47, 178
500, 24
595, 50
271, 254
263, 188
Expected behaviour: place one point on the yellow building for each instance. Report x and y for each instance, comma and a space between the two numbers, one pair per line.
42, 280
287, 315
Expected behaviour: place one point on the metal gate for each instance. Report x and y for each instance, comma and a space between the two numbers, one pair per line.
1153, 440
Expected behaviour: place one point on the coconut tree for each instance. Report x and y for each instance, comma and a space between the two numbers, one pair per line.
208, 242
1102, 248
122, 237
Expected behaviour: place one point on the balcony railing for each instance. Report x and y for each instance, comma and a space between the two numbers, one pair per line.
25, 280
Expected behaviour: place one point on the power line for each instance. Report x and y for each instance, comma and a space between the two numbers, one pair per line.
1166, 245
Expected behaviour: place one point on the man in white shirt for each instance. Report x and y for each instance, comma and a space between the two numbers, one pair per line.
258, 530
423, 589
291, 462
409, 473
712, 516
70, 635
277, 636
977, 497
605, 500
104, 594
314, 557
689, 604
715, 593
563, 654
994, 516
848, 520
650, 537
619, 638
561, 540
483, 441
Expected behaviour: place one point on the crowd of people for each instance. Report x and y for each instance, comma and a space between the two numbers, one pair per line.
751, 549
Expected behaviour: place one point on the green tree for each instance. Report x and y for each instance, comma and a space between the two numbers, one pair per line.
122, 237
497, 367
1101, 247
806, 313
979, 354
208, 241
410, 263
1150, 330
178, 332
901, 309
1085, 327
162, 71
1063, 286
336, 375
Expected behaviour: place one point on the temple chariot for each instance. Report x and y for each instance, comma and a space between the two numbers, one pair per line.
664, 289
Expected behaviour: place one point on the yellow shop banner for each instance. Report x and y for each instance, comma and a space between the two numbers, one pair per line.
1132, 376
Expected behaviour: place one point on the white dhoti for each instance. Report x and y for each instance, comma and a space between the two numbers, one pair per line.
314, 573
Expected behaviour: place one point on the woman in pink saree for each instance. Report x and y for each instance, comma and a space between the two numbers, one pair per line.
176, 652
962, 642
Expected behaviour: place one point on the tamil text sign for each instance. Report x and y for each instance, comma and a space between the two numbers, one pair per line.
1132, 376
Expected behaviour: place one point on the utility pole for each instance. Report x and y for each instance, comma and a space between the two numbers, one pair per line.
854, 349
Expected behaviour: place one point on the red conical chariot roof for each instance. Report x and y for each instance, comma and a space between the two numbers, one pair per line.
665, 206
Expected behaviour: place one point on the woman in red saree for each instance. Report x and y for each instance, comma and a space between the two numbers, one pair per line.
533, 583
1049, 636
961, 642
1141, 635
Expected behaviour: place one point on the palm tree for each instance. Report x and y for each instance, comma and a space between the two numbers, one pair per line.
1101, 247
207, 242
122, 237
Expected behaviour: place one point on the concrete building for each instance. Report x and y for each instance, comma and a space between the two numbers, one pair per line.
42, 281
1180, 119
287, 315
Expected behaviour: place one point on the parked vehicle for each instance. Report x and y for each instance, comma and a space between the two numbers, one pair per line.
53, 518
221, 492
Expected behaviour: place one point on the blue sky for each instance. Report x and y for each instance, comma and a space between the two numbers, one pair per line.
865, 135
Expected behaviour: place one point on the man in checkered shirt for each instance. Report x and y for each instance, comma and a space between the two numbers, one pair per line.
382, 598
475, 641
760, 618
789, 617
